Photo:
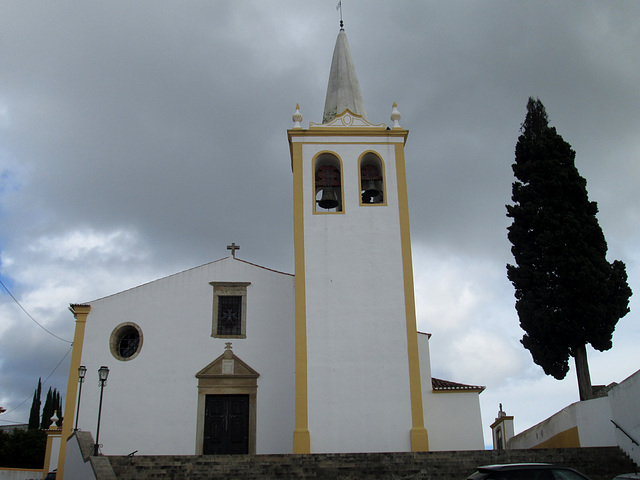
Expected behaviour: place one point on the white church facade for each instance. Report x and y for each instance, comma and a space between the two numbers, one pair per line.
232, 357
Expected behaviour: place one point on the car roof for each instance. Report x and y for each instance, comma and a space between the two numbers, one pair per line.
519, 466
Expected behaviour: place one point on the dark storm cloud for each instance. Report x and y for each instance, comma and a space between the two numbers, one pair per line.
139, 139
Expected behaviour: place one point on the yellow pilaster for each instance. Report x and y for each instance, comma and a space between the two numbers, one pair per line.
301, 436
419, 435
80, 312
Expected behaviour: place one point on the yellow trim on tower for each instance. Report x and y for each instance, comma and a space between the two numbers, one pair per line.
80, 312
419, 435
301, 436
346, 132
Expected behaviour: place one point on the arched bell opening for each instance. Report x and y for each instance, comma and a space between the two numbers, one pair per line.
328, 183
371, 179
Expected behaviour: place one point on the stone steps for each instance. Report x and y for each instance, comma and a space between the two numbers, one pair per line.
601, 463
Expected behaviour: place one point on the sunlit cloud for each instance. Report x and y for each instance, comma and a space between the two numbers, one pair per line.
90, 244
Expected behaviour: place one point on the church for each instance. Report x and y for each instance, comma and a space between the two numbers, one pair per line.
234, 357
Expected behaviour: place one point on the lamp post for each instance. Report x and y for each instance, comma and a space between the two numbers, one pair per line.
103, 373
82, 370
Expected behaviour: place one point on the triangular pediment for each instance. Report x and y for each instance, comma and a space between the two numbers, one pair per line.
227, 365
348, 119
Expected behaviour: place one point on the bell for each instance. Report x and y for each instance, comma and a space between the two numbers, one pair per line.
370, 191
329, 199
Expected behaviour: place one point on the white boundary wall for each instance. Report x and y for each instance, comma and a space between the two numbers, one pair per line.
626, 413
76, 465
19, 474
593, 419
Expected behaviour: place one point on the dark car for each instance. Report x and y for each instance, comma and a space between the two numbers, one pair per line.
526, 471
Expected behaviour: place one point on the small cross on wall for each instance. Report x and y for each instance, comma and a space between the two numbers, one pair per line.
233, 247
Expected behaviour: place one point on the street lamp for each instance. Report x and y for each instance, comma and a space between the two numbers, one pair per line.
82, 370
103, 373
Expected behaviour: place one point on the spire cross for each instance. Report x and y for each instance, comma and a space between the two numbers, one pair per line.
339, 7
233, 247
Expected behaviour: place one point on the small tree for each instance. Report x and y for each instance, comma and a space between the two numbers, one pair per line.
34, 414
22, 448
567, 294
52, 404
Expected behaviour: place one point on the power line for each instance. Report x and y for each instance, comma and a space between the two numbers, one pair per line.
52, 372
44, 383
29, 315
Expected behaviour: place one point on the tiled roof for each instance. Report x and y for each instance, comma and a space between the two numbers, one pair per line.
439, 385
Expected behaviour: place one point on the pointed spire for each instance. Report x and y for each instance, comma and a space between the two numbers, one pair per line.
343, 90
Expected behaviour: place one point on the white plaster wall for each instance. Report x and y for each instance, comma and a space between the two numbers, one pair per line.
150, 402
593, 418
425, 360
55, 453
358, 379
453, 420
625, 412
508, 430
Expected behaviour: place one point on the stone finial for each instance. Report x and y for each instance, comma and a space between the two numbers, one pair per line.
54, 420
395, 116
297, 117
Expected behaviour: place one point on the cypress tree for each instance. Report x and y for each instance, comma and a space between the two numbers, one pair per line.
52, 404
567, 294
47, 410
58, 406
34, 414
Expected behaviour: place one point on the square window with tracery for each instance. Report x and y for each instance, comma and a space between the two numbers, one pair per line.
229, 309
229, 315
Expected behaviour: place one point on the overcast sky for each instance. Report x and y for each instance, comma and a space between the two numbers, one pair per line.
138, 139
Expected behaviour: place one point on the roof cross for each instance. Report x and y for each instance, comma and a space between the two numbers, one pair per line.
233, 247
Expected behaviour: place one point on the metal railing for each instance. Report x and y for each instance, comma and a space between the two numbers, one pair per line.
622, 430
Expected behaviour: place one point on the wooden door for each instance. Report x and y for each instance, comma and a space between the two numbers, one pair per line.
226, 424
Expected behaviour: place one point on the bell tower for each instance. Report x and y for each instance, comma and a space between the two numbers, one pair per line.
358, 385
